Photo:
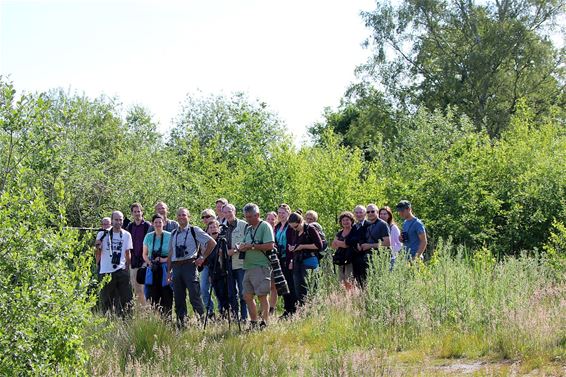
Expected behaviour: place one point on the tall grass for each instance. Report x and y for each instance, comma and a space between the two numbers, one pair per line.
461, 306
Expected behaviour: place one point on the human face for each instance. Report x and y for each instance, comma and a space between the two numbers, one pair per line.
158, 225
117, 221
283, 215
206, 218
218, 208
346, 222
252, 218
137, 213
384, 215
106, 223
213, 229
295, 226
183, 218
360, 214
161, 209
271, 218
228, 214
404, 213
372, 213
310, 219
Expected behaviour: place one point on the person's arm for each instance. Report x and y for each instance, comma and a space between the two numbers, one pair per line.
336, 244
169, 259
128, 258
313, 235
210, 245
146, 254
422, 245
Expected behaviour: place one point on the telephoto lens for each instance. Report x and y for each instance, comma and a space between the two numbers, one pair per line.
278, 277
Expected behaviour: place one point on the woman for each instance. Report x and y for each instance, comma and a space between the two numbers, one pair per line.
155, 255
344, 243
285, 236
271, 218
207, 216
386, 215
307, 241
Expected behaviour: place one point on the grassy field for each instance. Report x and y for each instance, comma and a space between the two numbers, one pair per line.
450, 316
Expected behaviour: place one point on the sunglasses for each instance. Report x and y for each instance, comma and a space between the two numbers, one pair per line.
370, 212
206, 217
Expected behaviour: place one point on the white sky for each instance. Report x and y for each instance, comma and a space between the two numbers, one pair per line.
298, 56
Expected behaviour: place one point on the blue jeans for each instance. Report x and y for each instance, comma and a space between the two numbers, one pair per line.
237, 286
205, 289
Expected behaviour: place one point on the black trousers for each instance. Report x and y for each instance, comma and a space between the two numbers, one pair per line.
360, 266
117, 295
289, 300
159, 296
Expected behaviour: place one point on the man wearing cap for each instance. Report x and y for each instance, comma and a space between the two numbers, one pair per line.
413, 235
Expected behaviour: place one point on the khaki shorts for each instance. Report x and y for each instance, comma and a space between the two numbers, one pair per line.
257, 281
346, 272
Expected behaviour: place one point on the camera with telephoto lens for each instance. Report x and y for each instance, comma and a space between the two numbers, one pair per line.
278, 277
180, 251
405, 236
155, 265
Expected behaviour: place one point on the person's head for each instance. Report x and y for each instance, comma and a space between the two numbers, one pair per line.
311, 217
213, 228
106, 223
404, 209
283, 213
207, 216
271, 218
220, 202
158, 222
251, 213
386, 215
229, 212
162, 209
346, 219
296, 221
183, 217
137, 211
371, 211
360, 213
117, 220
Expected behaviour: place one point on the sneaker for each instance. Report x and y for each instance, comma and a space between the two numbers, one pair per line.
271, 310
262, 325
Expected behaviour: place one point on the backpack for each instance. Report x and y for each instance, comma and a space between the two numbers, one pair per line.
199, 251
321, 253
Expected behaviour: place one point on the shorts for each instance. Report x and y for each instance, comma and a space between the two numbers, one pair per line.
257, 281
346, 272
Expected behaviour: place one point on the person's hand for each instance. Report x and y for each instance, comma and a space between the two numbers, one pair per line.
292, 248
401, 238
245, 247
231, 252
200, 261
291, 265
169, 278
365, 246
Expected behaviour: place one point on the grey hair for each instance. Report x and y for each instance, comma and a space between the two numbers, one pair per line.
230, 207
251, 208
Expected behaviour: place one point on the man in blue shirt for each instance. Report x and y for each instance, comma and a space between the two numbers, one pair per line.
413, 235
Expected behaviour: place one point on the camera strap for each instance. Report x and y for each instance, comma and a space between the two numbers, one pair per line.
110, 244
160, 245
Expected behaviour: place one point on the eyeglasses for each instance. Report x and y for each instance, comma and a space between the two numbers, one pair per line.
370, 212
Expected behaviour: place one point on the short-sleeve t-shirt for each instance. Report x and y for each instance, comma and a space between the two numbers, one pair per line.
111, 242
260, 235
413, 228
184, 237
377, 231
157, 244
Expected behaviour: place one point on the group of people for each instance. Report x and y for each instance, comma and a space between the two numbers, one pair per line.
160, 261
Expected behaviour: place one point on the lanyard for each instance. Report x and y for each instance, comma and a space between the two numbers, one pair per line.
252, 235
177, 237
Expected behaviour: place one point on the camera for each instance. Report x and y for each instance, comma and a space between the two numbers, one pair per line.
180, 251
278, 277
116, 256
405, 236
155, 266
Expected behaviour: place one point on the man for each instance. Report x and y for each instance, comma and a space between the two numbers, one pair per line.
220, 203
377, 232
105, 224
181, 267
138, 228
162, 209
235, 231
413, 235
113, 251
258, 240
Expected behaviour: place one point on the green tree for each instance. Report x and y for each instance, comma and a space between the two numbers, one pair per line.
480, 57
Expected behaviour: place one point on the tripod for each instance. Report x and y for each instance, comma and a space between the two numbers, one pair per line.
224, 273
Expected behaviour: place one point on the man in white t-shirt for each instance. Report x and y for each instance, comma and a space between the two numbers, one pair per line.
113, 247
